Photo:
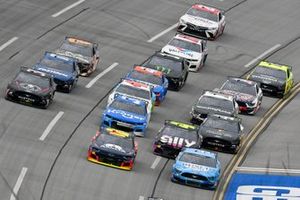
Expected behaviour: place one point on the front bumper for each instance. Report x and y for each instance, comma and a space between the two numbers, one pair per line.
197, 31
178, 178
272, 90
25, 98
219, 144
246, 108
193, 65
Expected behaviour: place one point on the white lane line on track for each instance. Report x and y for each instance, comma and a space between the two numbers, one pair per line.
274, 170
155, 163
141, 198
262, 55
68, 8
162, 33
9, 42
51, 125
18, 183
94, 80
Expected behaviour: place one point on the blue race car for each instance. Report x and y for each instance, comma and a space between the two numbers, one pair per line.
151, 77
196, 167
126, 114
63, 69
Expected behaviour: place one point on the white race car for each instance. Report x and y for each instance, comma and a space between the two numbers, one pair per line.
194, 50
202, 21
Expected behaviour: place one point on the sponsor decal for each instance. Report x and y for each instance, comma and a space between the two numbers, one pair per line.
266, 78
177, 141
52, 71
125, 114
197, 167
163, 69
181, 50
113, 147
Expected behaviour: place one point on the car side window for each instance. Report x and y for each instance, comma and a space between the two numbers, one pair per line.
288, 73
220, 16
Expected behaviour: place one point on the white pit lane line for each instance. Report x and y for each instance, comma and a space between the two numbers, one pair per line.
268, 170
156, 161
94, 80
18, 183
262, 55
9, 42
141, 198
162, 33
51, 125
68, 8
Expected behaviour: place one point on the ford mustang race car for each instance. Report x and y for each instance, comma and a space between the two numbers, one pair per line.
63, 69
248, 94
127, 114
85, 52
154, 78
194, 50
274, 79
175, 68
31, 87
173, 136
197, 168
113, 148
222, 133
212, 102
135, 90
202, 21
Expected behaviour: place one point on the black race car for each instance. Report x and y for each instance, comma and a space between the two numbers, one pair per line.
31, 87
222, 133
173, 136
175, 68
113, 148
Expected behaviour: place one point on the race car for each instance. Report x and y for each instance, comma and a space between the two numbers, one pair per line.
175, 68
212, 102
135, 90
85, 52
222, 133
248, 94
31, 87
202, 21
174, 136
153, 78
127, 114
194, 50
274, 79
113, 148
62, 68
196, 167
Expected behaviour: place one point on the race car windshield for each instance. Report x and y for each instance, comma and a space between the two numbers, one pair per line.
203, 14
174, 131
40, 81
166, 65
56, 64
185, 45
149, 78
82, 50
198, 159
223, 104
240, 87
132, 91
221, 124
125, 144
271, 72
129, 107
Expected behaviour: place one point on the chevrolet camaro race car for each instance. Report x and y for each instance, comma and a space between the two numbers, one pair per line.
194, 50
222, 133
152, 77
202, 21
248, 94
174, 136
62, 68
31, 87
212, 102
175, 68
197, 168
135, 90
127, 114
85, 52
113, 148
274, 79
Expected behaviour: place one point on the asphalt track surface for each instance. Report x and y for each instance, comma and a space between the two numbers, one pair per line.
57, 167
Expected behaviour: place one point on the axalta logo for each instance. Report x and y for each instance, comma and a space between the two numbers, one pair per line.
52, 72
197, 167
258, 192
125, 114
176, 141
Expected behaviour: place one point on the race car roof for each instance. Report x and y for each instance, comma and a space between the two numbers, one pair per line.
180, 125
219, 95
274, 65
204, 8
188, 39
73, 40
225, 117
136, 84
146, 70
200, 152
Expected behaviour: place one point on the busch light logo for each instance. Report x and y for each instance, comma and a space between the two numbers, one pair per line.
258, 192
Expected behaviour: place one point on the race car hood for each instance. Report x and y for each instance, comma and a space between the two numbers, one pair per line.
126, 116
240, 96
270, 80
199, 21
59, 74
196, 169
218, 133
210, 110
78, 57
176, 142
184, 53
29, 87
